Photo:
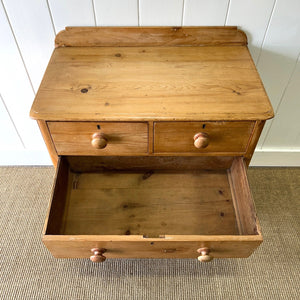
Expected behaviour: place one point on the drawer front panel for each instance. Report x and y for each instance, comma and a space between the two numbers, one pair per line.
75, 138
227, 137
80, 246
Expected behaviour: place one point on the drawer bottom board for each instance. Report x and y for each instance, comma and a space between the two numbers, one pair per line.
151, 203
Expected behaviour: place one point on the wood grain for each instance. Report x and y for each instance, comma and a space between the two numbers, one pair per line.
130, 212
153, 83
75, 138
149, 36
48, 141
59, 197
176, 246
151, 136
138, 163
152, 89
242, 198
151, 204
223, 136
259, 125
147, 201
147, 180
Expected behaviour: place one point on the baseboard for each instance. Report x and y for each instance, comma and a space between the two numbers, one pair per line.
41, 157
276, 159
24, 158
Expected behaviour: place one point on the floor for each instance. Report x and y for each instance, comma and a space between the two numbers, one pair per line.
28, 271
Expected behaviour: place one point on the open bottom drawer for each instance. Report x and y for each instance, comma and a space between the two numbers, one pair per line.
157, 212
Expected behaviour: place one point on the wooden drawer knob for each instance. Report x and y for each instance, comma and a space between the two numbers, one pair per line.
98, 255
99, 141
201, 140
204, 255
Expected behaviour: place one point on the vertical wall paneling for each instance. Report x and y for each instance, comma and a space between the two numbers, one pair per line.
27, 30
71, 13
279, 52
285, 130
116, 12
9, 138
161, 12
34, 32
252, 17
15, 86
205, 13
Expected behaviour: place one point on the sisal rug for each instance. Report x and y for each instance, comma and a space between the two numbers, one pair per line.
28, 271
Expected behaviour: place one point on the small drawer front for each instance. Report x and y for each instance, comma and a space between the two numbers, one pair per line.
202, 137
99, 138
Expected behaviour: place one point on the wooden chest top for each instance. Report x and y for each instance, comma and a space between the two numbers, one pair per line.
143, 77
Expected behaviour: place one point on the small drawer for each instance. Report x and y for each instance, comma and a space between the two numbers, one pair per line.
202, 137
99, 138
150, 213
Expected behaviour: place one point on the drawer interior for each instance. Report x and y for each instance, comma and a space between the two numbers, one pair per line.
153, 200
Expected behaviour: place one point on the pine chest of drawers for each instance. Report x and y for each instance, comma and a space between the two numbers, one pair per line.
151, 131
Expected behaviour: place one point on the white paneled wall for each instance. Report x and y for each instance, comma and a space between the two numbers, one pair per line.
15, 87
286, 126
33, 30
68, 12
205, 12
117, 12
8, 133
279, 54
28, 28
160, 12
253, 17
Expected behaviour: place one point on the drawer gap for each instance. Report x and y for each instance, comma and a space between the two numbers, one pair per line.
154, 236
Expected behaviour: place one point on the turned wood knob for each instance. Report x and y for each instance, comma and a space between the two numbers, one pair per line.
204, 255
201, 140
99, 141
98, 255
